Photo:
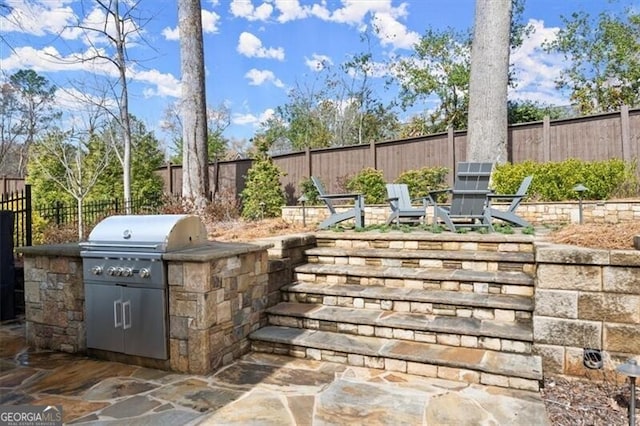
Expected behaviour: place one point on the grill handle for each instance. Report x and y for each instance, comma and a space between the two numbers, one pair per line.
126, 313
118, 245
117, 309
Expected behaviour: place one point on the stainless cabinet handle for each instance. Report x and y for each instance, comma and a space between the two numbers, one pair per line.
126, 313
116, 313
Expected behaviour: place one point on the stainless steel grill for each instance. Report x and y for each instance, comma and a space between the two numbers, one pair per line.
125, 280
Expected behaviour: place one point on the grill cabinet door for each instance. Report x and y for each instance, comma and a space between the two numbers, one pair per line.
104, 317
144, 322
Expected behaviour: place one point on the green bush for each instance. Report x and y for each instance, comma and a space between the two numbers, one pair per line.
262, 195
369, 182
426, 179
554, 181
309, 189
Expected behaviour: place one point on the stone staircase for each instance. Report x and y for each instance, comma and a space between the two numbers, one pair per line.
453, 306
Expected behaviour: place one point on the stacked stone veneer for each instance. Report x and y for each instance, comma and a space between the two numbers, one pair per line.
217, 296
54, 298
586, 298
535, 213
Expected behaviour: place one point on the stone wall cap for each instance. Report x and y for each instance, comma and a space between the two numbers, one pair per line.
565, 253
214, 250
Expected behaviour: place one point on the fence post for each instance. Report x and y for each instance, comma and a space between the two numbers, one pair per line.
307, 157
625, 133
451, 148
115, 205
546, 138
28, 218
374, 155
170, 177
57, 207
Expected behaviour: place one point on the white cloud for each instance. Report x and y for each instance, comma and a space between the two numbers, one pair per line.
394, 33
318, 62
165, 83
259, 77
49, 59
291, 10
537, 70
245, 9
171, 33
251, 46
37, 17
244, 119
210, 22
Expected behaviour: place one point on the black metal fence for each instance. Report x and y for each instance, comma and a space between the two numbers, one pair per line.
19, 202
59, 213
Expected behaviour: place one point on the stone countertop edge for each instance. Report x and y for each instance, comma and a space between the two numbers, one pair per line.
212, 250
66, 250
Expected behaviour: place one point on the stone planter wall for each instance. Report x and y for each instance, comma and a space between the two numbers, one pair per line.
535, 213
586, 298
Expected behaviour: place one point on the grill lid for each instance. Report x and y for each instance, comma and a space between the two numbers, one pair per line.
160, 233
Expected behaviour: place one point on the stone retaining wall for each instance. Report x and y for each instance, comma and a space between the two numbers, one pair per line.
535, 213
586, 298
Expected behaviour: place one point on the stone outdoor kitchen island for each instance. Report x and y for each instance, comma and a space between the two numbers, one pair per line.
217, 295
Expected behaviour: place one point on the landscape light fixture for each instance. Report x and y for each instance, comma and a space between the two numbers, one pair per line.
302, 200
631, 369
580, 189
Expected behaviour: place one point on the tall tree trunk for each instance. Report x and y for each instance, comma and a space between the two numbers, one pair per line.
195, 168
487, 126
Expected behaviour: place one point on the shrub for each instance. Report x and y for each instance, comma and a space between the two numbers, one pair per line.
423, 180
369, 182
554, 181
309, 189
262, 195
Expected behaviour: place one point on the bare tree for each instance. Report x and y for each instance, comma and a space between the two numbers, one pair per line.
195, 167
66, 158
487, 128
120, 26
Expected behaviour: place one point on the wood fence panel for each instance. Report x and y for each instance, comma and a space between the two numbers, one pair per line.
526, 143
295, 168
396, 157
634, 136
333, 165
589, 139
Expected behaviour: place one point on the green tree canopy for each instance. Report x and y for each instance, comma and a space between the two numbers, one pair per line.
603, 60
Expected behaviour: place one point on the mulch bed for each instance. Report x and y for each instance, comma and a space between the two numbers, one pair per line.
572, 402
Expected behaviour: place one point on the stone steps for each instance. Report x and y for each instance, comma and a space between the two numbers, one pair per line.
501, 307
471, 365
503, 282
445, 259
454, 306
507, 336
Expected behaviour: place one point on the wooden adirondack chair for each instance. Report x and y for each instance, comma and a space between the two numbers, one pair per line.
468, 198
509, 215
401, 204
356, 212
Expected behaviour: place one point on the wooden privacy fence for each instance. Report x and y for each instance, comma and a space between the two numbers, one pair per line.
590, 138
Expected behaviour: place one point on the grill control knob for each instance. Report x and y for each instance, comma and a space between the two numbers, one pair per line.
96, 270
111, 271
127, 272
145, 273
119, 270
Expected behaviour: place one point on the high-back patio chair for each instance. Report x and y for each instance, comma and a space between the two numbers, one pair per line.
356, 212
468, 206
401, 204
509, 215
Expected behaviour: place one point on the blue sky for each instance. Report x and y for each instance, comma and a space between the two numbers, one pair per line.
256, 50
